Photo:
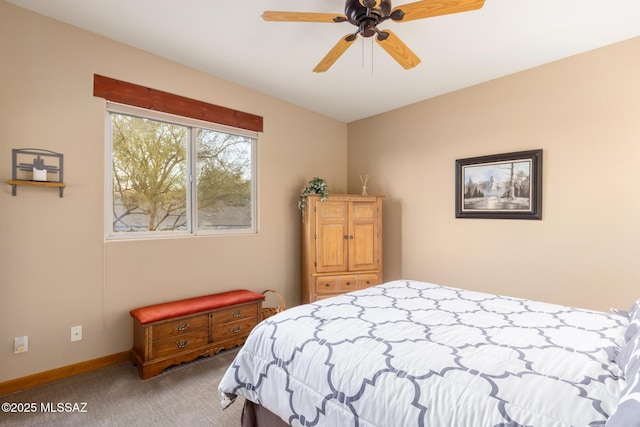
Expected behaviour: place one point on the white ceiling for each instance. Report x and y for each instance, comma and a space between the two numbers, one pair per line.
228, 39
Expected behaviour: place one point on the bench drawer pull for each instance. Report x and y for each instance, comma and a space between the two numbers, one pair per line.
182, 343
182, 326
236, 329
236, 313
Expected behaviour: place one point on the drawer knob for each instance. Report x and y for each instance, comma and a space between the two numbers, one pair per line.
182, 326
236, 313
348, 283
182, 343
327, 284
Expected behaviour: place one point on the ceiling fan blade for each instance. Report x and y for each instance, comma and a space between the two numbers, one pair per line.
429, 8
271, 15
335, 53
398, 50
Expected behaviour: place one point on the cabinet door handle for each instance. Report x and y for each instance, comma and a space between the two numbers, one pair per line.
182, 343
351, 237
236, 313
182, 326
346, 237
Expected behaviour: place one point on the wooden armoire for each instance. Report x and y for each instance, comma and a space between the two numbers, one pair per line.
341, 245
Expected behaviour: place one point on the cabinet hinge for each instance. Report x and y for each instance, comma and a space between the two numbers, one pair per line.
315, 237
315, 263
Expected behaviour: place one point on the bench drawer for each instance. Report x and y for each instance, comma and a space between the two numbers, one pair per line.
180, 343
234, 329
235, 314
180, 327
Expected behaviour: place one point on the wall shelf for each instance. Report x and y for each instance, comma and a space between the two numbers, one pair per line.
15, 182
26, 166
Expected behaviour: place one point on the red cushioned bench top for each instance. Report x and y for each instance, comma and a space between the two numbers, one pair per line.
169, 310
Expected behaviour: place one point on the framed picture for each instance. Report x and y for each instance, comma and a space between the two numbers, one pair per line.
502, 186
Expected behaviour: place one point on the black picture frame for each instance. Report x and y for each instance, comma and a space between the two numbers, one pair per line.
500, 186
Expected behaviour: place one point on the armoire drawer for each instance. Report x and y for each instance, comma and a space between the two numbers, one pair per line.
327, 284
368, 280
336, 284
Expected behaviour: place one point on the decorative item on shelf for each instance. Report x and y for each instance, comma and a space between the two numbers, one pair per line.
34, 171
39, 174
316, 186
270, 311
364, 184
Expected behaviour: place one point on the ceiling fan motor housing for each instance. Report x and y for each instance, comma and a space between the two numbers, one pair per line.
367, 23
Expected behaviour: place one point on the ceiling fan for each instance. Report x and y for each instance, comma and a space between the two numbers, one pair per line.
367, 14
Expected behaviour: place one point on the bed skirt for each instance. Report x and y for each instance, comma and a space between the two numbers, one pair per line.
254, 415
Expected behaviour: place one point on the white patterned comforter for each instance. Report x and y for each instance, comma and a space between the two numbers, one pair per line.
409, 353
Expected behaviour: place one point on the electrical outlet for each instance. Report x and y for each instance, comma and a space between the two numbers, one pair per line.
76, 333
21, 344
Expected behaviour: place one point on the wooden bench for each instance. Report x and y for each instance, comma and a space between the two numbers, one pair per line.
181, 331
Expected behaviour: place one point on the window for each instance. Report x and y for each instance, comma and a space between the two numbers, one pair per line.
172, 175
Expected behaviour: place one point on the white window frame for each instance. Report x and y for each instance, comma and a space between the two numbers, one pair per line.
192, 220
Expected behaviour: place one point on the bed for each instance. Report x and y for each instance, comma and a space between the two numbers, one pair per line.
409, 353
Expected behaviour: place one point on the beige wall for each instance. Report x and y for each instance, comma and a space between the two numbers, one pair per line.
56, 270
584, 113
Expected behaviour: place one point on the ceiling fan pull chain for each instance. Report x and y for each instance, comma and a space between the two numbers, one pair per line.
371, 56
362, 60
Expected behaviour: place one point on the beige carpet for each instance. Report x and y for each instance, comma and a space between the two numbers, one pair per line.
185, 395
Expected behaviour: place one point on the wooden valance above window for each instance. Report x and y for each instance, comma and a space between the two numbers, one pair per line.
152, 99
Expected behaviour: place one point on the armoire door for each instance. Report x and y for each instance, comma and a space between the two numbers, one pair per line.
363, 238
331, 239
